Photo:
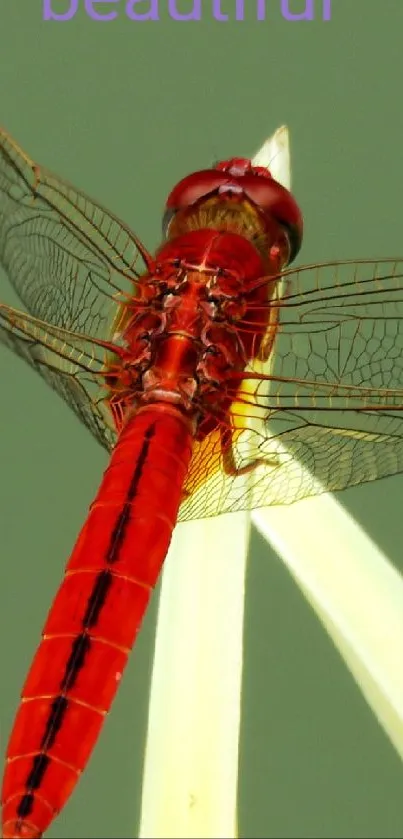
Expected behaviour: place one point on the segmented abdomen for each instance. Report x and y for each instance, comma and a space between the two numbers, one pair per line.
94, 618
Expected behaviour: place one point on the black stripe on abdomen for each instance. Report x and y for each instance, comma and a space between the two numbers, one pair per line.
81, 645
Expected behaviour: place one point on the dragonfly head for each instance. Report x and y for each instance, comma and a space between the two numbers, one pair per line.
238, 181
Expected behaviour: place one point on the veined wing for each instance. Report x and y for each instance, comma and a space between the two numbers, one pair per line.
69, 260
325, 410
72, 364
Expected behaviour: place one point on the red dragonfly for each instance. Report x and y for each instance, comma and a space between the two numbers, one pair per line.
217, 378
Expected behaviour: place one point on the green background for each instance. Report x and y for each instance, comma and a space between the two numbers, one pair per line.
123, 110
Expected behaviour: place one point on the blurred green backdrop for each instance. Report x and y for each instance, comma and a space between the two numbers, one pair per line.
123, 110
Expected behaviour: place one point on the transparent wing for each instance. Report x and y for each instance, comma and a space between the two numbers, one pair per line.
325, 410
69, 260
322, 410
70, 363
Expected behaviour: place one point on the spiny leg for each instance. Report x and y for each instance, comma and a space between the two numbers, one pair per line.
228, 459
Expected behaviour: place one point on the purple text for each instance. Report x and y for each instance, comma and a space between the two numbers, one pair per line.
141, 10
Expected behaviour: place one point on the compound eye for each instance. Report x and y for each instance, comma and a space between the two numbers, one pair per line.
196, 186
189, 191
277, 203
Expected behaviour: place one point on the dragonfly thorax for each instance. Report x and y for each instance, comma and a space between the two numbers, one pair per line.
183, 335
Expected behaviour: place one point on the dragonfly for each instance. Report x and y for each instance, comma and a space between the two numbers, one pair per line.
218, 377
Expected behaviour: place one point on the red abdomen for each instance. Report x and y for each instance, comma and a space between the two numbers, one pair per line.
94, 618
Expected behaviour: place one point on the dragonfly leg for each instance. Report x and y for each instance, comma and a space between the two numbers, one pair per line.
228, 460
